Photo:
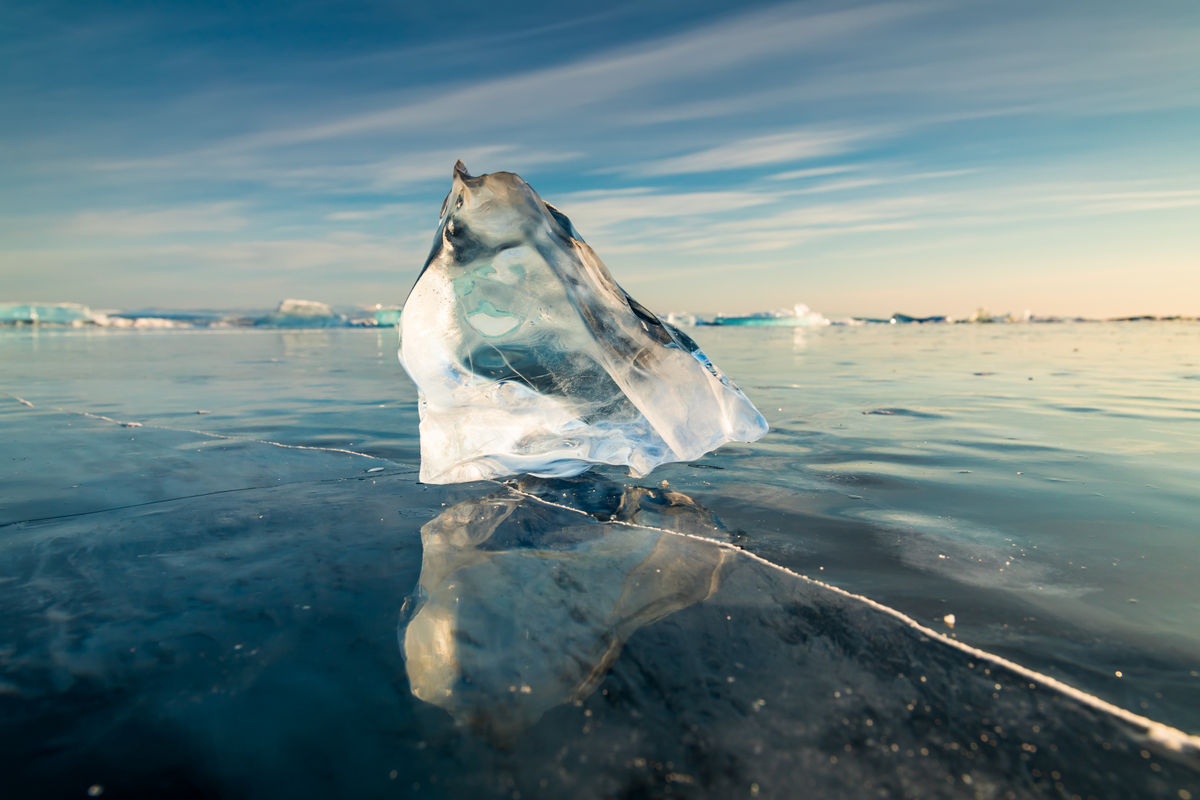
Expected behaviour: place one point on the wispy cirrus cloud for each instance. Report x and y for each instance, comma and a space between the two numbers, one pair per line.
332, 172
129, 222
1117, 202
793, 220
591, 81
1055, 62
815, 172
757, 151
848, 184
607, 210
332, 252
789, 132
197, 264
376, 212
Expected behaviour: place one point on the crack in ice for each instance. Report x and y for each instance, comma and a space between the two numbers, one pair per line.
208, 434
1171, 738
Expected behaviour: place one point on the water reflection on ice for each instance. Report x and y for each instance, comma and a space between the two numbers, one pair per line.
524, 605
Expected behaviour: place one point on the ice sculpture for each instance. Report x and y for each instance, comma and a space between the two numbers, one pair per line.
530, 358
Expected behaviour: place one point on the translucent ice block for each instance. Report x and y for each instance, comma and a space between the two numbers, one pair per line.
530, 358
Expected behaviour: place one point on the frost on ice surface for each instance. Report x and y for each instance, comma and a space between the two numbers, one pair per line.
530, 358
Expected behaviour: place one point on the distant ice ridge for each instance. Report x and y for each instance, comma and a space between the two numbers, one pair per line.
76, 315
682, 319
290, 313
529, 358
72, 314
293, 313
387, 316
799, 316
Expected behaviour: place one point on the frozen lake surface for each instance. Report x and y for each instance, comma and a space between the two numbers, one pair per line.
878, 598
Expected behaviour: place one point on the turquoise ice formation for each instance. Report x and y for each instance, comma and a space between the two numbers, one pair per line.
45, 313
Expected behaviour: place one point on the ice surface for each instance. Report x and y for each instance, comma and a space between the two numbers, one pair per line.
220, 614
530, 358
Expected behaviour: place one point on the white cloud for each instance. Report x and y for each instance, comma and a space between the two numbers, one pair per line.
211, 217
1112, 202
792, 221
757, 151
1053, 62
558, 91
336, 251
410, 167
593, 211
883, 180
815, 172
327, 253
393, 210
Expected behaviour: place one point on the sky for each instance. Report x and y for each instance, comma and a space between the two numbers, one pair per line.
862, 158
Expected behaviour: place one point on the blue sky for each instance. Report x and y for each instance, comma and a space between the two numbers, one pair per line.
926, 157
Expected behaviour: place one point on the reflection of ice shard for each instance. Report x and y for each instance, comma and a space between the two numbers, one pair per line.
525, 606
530, 358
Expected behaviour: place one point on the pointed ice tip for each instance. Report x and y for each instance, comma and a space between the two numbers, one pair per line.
460, 170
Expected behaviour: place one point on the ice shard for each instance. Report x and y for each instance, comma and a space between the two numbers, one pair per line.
529, 358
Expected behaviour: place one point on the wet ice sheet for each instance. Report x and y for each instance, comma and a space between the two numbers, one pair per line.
242, 640
65, 464
321, 388
1050, 521
1068, 536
